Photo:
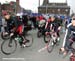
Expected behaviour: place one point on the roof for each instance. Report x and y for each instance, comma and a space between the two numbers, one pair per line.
58, 4
43, 6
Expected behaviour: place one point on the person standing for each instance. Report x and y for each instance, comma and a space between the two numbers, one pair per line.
0, 23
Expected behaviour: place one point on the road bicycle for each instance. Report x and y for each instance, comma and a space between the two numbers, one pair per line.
9, 46
51, 38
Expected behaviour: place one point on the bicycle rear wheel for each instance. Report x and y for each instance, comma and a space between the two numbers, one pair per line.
9, 46
5, 37
28, 40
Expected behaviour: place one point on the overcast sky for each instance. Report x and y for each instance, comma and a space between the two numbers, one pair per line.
33, 4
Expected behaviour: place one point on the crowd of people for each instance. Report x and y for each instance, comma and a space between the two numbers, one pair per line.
53, 23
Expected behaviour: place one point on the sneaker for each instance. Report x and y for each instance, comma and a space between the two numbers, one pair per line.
16, 38
6, 33
58, 39
23, 45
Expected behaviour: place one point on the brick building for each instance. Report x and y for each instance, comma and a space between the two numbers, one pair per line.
54, 8
12, 6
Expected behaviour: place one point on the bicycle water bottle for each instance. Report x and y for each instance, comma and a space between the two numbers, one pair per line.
19, 39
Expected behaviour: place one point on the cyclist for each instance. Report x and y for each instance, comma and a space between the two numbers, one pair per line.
69, 38
48, 24
13, 24
55, 23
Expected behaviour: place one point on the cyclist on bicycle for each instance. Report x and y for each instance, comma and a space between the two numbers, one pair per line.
69, 38
13, 24
54, 23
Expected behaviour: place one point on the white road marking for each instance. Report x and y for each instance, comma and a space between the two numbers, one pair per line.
40, 50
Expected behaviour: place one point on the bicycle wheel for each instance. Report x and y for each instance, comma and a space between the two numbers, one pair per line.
5, 37
50, 46
9, 46
28, 40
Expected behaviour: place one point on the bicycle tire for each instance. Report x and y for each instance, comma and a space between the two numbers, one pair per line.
8, 53
50, 46
30, 40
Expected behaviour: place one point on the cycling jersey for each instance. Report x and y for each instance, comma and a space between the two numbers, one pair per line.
56, 23
13, 23
69, 32
69, 38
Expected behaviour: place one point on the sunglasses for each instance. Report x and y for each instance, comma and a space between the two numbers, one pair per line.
73, 18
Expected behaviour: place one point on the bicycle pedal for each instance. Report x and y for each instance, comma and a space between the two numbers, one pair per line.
24, 45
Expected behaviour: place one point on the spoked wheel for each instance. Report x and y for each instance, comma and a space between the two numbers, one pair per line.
28, 40
5, 36
9, 46
50, 46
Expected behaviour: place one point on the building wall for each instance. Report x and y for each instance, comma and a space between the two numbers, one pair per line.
54, 8
54, 11
13, 7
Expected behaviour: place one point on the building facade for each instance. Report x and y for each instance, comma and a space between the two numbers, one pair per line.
54, 8
12, 6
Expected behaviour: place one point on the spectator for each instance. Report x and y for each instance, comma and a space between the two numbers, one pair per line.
0, 22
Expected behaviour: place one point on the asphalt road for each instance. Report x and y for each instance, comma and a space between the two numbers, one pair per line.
37, 52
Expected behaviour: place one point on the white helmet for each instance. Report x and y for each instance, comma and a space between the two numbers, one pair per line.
19, 14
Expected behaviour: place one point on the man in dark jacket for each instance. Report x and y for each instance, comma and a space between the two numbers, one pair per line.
0, 22
14, 26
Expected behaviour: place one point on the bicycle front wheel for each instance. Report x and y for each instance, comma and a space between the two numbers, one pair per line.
50, 46
9, 46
